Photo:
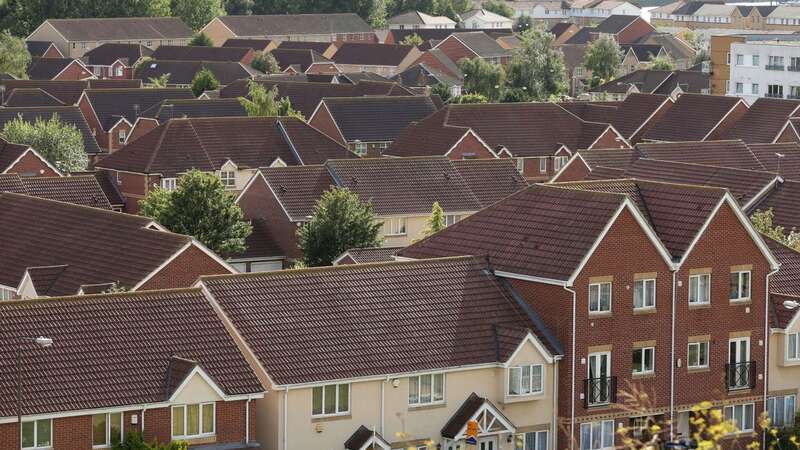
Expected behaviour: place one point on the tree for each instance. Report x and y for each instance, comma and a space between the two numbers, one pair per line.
523, 22
515, 95
265, 62
340, 222
201, 40
443, 91
159, 8
662, 62
14, 56
436, 221
263, 102
160, 82
537, 67
200, 207
60, 143
377, 17
197, 13
498, 7
239, 7
763, 223
204, 80
482, 77
412, 39
603, 58
470, 98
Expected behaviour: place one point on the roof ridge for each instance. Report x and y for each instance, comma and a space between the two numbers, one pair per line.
706, 165
100, 295
200, 142
90, 208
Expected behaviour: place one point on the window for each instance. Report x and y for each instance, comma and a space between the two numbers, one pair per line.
740, 286
426, 389
699, 289
330, 399
37, 434
193, 420
794, 63
697, 357
741, 415
542, 165
228, 178
395, 226
169, 183
600, 297
739, 60
118, 71
781, 410
558, 162
756, 60
360, 148
450, 219
6, 293
793, 347
739, 88
520, 165
775, 90
106, 429
776, 61
643, 360
727, 85
597, 435
122, 135
526, 380
533, 440
754, 89
644, 294
728, 59
794, 92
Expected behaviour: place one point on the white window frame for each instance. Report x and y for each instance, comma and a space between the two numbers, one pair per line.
651, 282
417, 379
6, 293
122, 135
338, 411
119, 71
520, 165
602, 427
731, 412
739, 88
228, 178
395, 226
788, 412
793, 338
599, 287
521, 441
522, 390
360, 148
739, 274
699, 345
707, 291
755, 89
755, 60
108, 442
451, 219
645, 370
739, 59
36, 434
559, 162
542, 165
185, 408
169, 184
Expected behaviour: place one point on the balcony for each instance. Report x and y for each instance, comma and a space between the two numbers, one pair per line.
599, 391
793, 68
793, 97
740, 375
774, 67
773, 95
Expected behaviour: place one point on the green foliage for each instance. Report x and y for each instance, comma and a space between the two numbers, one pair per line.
522, 23
14, 56
160, 82
515, 95
470, 98
701, 56
537, 67
412, 39
498, 7
60, 143
266, 63
436, 222
265, 103
442, 90
197, 13
141, 64
693, 39
201, 40
204, 80
603, 57
662, 62
134, 441
763, 223
378, 14
200, 207
483, 77
239, 7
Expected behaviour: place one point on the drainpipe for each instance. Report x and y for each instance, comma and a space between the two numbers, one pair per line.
247, 419
572, 400
766, 348
285, 418
144, 408
554, 425
383, 387
672, 358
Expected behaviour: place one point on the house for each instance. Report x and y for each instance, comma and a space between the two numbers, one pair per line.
681, 53
303, 61
81, 189
764, 122
639, 56
181, 73
111, 113
366, 255
624, 29
431, 36
676, 241
397, 389
563, 31
43, 49
326, 49
368, 125
415, 20
58, 69
64, 92
664, 82
475, 44
717, 15
384, 59
696, 117
579, 77
402, 190
542, 10
420, 78
481, 18
67, 114
170, 378
435, 63
231, 147
587, 10
74, 37
115, 61
259, 45
146, 255
329, 27
539, 136
182, 108
242, 55
24, 160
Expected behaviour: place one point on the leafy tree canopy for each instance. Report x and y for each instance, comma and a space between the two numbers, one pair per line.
160, 82
263, 102
14, 56
603, 58
763, 223
201, 40
435, 222
265, 62
662, 62
58, 142
197, 13
412, 39
537, 68
499, 7
204, 80
483, 77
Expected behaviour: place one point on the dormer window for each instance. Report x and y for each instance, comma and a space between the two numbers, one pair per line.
228, 178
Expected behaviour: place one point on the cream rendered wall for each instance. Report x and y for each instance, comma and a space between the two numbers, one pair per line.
46, 32
783, 375
243, 176
415, 226
197, 390
217, 32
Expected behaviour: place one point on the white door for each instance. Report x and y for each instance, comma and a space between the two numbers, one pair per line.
487, 443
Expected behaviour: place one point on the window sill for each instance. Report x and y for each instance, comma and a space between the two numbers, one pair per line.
641, 311
698, 369
427, 406
600, 314
523, 398
639, 376
740, 301
699, 305
331, 418
199, 439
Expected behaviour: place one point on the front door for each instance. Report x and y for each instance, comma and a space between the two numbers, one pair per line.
487, 443
739, 363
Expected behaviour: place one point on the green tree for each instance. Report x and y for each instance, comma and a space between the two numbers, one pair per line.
239, 7
515, 95
204, 80
499, 7
435, 222
14, 56
160, 82
200, 207
537, 67
763, 223
201, 40
443, 91
197, 13
482, 77
158, 8
60, 143
471, 98
378, 15
340, 222
412, 39
265, 62
662, 62
522, 23
263, 102
603, 58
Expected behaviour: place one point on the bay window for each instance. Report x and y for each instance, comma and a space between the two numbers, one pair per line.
526, 380
331, 399
426, 389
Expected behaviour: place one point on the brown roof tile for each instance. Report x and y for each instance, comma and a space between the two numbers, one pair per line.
256, 44
787, 166
635, 110
67, 114
200, 53
730, 153
9, 153
108, 53
292, 24
692, 118
763, 121
365, 255
300, 59
48, 68
111, 105
31, 97
784, 199
369, 54
183, 72
377, 118
68, 92
121, 28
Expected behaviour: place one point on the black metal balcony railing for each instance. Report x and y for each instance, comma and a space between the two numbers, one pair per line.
793, 96
773, 95
793, 68
775, 67
740, 375
599, 391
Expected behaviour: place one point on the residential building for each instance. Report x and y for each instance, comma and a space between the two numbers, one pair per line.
398, 390
697, 117
639, 56
473, 44
43, 49
79, 189
622, 341
326, 49
624, 30
368, 125
683, 54
366, 255
383, 59
695, 14
402, 191
259, 45
58, 69
242, 55
231, 147
303, 61
431, 36
415, 20
115, 61
181, 109
563, 31
24, 160
66, 114
548, 10
74, 37
58, 93
327, 27
672, 83
169, 378
181, 73
765, 121
73, 259
631, 117
765, 69
481, 18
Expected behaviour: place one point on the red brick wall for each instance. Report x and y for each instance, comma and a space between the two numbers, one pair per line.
470, 147
728, 121
609, 139
74, 71
184, 270
323, 121
72, 433
134, 187
577, 170
258, 202
634, 31
432, 62
322, 68
52, 52
113, 140
91, 119
788, 135
30, 164
454, 49
141, 128
231, 421
248, 58
157, 425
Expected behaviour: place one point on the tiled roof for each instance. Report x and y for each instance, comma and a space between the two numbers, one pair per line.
787, 280
67, 114
121, 28
11, 182
9, 153
360, 438
300, 58
31, 97
787, 166
369, 54
661, 82
108, 183
255, 44
462, 415
38, 48
377, 118
298, 188
400, 300
560, 28
48, 68
319, 47
730, 153
365, 255
183, 72
68, 92
438, 34
616, 158
200, 53
482, 44
763, 121
184, 108
643, 52
76, 372
615, 24
490, 179
542, 231
207, 143
98, 246
419, 18
111, 105
692, 117
780, 316
291, 24
784, 200
108, 53
82, 190
673, 45
635, 110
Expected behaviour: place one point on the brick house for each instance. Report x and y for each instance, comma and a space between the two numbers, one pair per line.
697, 117
65, 93
43, 49
473, 44
115, 61
259, 45
386, 60
182, 73
170, 378
621, 339
78, 189
184, 108
624, 30
242, 55
308, 61
24, 160
58, 69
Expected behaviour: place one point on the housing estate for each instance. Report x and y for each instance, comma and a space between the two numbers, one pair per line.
290, 27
